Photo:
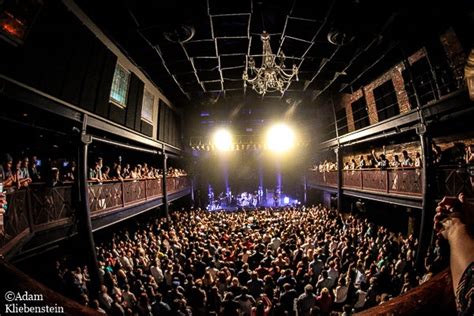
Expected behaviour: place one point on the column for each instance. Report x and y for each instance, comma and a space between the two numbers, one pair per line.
83, 216
164, 186
428, 208
339, 178
305, 193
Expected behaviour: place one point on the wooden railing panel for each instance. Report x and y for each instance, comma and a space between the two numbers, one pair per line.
50, 204
134, 191
154, 188
352, 179
374, 180
103, 196
452, 180
405, 181
331, 178
16, 216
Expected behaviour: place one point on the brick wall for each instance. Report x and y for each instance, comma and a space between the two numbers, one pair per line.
394, 74
454, 53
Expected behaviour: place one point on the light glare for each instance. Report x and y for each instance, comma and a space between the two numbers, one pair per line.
222, 140
280, 138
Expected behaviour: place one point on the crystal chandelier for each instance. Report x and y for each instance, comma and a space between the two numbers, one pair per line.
272, 75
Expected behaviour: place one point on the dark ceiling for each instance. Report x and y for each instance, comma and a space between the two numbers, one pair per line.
208, 67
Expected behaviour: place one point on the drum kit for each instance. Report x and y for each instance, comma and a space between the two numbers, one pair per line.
247, 199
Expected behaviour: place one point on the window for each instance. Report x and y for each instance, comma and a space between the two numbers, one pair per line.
423, 80
386, 101
147, 106
341, 118
360, 114
119, 91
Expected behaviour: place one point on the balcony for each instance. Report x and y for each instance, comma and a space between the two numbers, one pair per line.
400, 183
322, 179
406, 181
39, 208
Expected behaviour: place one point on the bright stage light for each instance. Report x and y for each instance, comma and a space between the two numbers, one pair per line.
222, 140
280, 138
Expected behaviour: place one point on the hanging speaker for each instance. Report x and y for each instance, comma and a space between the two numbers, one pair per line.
17, 18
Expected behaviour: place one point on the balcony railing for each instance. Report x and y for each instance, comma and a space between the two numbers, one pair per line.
107, 196
400, 181
454, 179
328, 179
39, 206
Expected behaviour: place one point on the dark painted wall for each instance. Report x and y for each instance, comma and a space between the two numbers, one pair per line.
169, 125
61, 57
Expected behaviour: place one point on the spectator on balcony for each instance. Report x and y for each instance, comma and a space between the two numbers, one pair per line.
144, 171
353, 164
469, 156
346, 166
6, 174
70, 172
116, 173
55, 178
126, 171
95, 174
438, 154
20, 177
371, 162
135, 173
34, 169
418, 161
395, 163
106, 173
382, 161
406, 160
362, 163
24, 170
321, 166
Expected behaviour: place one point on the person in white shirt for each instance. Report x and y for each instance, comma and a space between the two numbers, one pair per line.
340, 292
361, 295
157, 273
360, 276
406, 161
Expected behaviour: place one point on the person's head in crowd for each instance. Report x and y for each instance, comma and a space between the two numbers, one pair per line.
405, 154
34, 161
106, 170
55, 176
7, 161
17, 165
308, 289
25, 162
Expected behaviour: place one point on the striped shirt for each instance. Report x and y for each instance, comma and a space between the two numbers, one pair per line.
465, 292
